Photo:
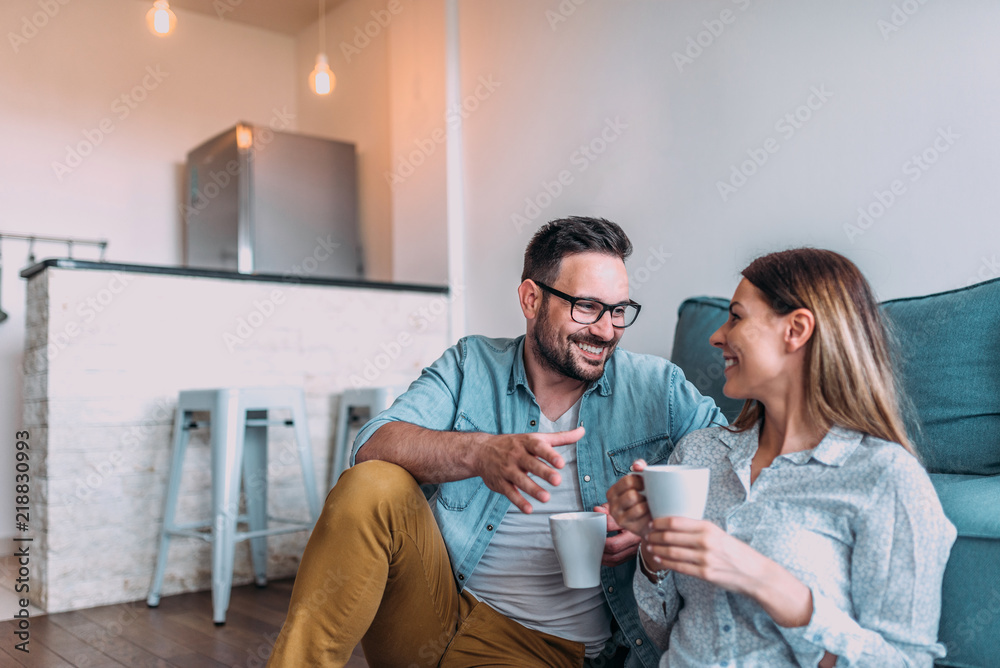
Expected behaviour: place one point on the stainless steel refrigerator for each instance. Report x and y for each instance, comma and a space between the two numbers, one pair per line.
261, 201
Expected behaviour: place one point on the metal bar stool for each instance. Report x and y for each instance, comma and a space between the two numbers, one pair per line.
357, 407
238, 421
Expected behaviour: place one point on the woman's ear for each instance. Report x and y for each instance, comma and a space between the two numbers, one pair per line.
530, 297
800, 325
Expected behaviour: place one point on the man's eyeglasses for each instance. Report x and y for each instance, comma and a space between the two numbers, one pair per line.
589, 311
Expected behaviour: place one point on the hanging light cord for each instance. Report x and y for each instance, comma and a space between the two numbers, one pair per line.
322, 26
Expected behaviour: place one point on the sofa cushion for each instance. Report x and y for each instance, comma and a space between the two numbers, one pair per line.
949, 363
948, 360
964, 497
697, 318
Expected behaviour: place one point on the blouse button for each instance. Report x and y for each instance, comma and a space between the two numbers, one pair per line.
638, 641
726, 627
611, 590
461, 577
586, 478
532, 423
489, 527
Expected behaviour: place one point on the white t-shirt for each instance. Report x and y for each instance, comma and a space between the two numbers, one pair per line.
519, 574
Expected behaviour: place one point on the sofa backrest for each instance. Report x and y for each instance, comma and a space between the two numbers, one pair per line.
947, 358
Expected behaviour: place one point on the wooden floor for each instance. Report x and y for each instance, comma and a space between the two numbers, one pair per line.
178, 633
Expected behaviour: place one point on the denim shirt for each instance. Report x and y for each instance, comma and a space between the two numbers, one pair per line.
639, 408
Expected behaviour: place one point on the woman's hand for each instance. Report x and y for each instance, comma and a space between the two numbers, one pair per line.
701, 549
627, 505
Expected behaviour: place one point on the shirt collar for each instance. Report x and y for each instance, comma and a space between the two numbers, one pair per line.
835, 448
518, 376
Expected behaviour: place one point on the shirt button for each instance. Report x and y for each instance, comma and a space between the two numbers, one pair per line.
461, 577
638, 641
586, 478
611, 590
489, 527
532, 423
726, 627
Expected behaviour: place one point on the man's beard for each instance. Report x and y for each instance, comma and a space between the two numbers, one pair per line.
551, 352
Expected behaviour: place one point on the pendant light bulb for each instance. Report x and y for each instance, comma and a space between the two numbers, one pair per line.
160, 19
322, 80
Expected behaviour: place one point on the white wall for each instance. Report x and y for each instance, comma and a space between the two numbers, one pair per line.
356, 111
59, 86
388, 56
682, 130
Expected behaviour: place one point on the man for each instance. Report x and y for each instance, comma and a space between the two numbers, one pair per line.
557, 415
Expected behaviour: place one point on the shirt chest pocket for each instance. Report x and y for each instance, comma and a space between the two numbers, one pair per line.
654, 450
458, 495
803, 538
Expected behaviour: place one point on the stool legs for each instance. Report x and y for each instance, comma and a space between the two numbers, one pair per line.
228, 427
181, 437
239, 454
305, 456
255, 488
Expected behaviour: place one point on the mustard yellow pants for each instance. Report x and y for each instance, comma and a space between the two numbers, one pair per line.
376, 570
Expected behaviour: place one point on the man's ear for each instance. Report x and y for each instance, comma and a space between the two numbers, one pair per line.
799, 327
530, 297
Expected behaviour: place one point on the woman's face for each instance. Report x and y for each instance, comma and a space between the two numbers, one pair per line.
753, 345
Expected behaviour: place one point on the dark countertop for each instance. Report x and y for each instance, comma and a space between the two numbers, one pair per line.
64, 263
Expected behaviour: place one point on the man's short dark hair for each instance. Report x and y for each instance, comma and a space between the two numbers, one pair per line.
569, 236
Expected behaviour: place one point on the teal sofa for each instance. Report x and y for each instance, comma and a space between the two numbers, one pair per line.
948, 360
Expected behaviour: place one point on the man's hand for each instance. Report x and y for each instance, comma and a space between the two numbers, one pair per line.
504, 462
620, 548
626, 503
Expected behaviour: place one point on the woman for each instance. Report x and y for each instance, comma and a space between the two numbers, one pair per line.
823, 541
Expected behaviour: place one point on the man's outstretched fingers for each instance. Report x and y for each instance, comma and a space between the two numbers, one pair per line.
526, 484
512, 493
565, 437
537, 467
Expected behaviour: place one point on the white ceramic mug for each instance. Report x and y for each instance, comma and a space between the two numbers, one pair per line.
675, 490
579, 541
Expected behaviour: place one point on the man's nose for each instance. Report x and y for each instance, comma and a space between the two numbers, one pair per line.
603, 326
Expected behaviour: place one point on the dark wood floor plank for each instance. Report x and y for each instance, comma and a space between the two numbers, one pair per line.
179, 633
68, 646
110, 642
199, 641
8, 656
246, 639
197, 661
121, 620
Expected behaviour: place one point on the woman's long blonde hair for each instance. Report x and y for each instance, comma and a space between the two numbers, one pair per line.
849, 378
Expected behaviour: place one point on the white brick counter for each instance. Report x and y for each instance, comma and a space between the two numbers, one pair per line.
106, 354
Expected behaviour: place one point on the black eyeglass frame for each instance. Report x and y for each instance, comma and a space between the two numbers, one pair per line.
605, 308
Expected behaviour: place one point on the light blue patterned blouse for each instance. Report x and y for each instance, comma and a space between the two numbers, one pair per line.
856, 519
